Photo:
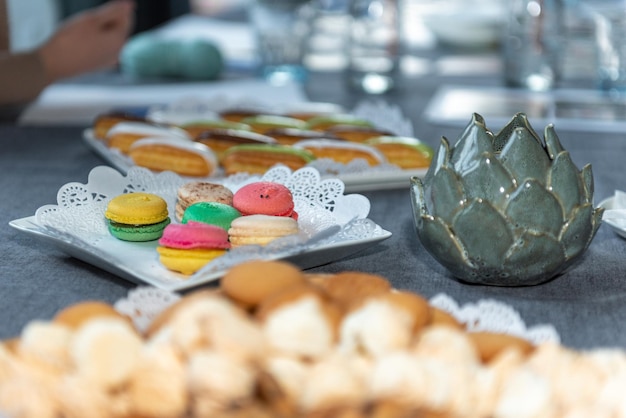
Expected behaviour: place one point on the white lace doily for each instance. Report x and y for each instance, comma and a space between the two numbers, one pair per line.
80, 207
491, 315
327, 218
143, 304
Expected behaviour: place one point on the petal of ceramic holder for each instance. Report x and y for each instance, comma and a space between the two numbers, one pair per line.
508, 209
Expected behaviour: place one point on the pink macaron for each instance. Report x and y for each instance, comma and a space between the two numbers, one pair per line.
194, 235
264, 198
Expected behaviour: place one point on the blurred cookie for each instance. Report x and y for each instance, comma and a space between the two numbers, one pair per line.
251, 282
350, 288
300, 321
415, 305
76, 315
441, 317
490, 344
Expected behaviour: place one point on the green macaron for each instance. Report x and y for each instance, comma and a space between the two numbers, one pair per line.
137, 233
212, 213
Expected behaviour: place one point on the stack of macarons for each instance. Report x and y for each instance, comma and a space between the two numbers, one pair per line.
201, 191
137, 216
268, 213
265, 198
186, 248
211, 220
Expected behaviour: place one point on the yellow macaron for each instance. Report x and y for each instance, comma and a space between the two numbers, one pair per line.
137, 209
187, 261
137, 216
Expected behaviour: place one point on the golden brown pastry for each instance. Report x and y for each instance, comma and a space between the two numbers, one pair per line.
166, 315
299, 321
441, 317
196, 128
257, 159
123, 135
220, 140
355, 133
324, 122
75, 315
103, 122
187, 159
290, 136
251, 282
405, 152
263, 123
341, 151
351, 288
490, 344
237, 114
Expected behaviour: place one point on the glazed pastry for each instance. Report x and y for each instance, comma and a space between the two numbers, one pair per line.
137, 216
309, 110
323, 123
257, 159
187, 159
260, 229
195, 128
211, 213
263, 123
201, 191
251, 282
405, 152
341, 151
186, 248
355, 133
123, 135
220, 140
237, 114
289, 136
264, 198
102, 123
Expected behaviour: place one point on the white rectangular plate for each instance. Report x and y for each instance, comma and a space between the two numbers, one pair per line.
354, 182
138, 262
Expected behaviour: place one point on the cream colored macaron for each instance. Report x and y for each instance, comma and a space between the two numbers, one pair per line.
260, 229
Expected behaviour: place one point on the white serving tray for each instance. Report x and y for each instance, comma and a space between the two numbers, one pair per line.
333, 225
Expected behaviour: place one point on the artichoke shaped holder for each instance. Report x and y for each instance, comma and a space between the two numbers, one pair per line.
506, 209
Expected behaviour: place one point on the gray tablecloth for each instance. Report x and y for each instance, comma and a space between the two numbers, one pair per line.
587, 305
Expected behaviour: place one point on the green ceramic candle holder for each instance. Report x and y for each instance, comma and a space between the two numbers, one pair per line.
508, 209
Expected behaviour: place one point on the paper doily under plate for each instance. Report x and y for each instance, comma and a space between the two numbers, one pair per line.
333, 225
144, 304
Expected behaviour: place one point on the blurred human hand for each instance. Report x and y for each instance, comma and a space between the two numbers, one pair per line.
88, 41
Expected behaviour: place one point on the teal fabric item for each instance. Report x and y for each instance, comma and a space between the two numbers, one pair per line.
148, 55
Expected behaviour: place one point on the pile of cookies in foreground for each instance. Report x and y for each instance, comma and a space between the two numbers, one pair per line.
252, 141
272, 341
